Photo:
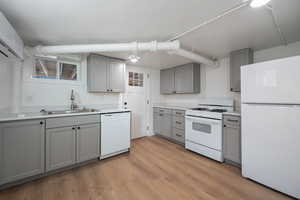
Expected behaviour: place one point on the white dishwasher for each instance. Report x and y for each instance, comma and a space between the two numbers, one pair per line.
115, 133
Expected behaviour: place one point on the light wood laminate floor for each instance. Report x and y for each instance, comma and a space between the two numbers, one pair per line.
155, 169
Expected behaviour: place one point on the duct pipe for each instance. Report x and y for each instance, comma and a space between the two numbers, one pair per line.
118, 47
193, 56
171, 47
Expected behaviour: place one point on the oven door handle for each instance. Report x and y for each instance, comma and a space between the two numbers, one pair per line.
203, 120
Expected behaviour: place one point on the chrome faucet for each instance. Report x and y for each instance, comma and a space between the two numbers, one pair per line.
74, 106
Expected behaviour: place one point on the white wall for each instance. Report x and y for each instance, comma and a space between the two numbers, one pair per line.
37, 94
6, 85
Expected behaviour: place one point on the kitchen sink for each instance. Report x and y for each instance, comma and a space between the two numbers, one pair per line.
59, 112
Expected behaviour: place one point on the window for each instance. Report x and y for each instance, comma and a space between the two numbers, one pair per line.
55, 69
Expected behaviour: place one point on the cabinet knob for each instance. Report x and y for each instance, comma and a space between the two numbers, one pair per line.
111, 90
78, 128
224, 125
41, 123
73, 128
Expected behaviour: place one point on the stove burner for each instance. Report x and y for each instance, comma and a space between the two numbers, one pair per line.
201, 109
218, 110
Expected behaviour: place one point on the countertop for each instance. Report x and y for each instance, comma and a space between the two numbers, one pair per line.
6, 117
187, 107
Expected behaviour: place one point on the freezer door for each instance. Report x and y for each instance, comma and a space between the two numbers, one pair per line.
271, 146
274, 81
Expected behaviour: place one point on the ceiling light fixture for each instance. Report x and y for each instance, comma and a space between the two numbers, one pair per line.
134, 58
258, 3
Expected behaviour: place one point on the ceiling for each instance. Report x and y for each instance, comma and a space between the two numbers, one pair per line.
99, 21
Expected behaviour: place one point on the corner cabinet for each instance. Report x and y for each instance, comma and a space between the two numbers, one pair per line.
21, 150
105, 74
184, 79
237, 59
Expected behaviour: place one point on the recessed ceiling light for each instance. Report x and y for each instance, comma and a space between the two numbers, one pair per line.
134, 58
258, 3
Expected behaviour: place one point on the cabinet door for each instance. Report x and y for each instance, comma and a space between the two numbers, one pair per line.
60, 147
232, 144
21, 150
97, 73
184, 80
88, 142
156, 123
237, 59
165, 125
116, 76
167, 81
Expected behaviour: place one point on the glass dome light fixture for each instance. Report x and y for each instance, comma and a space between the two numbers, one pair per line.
258, 3
134, 58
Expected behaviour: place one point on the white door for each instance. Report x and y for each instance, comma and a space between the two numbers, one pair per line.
137, 98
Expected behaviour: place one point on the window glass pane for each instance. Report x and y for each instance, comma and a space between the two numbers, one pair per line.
45, 69
68, 71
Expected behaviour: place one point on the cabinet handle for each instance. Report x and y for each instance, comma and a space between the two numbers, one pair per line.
41, 123
231, 120
178, 113
161, 115
178, 135
178, 122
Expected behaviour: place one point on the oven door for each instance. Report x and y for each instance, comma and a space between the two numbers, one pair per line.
207, 132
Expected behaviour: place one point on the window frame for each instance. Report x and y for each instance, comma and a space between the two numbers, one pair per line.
57, 79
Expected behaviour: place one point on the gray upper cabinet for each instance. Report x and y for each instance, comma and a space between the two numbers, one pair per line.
97, 72
232, 139
21, 150
105, 74
238, 59
181, 79
187, 78
88, 142
167, 81
116, 76
60, 147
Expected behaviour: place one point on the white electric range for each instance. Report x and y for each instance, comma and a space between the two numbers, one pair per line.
204, 129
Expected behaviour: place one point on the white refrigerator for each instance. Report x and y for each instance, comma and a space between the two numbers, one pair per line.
271, 124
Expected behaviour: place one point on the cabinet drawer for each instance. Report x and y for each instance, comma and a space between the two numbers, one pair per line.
72, 120
178, 113
178, 135
165, 111
232, 121
178, 122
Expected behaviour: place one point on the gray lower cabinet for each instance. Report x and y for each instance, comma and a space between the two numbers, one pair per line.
156, 126
71, 140
165, 128
169, 123
232, 139
182, 79
105, 74
21, 150
88, 142
60, 147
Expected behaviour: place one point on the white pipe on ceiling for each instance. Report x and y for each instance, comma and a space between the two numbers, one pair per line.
193, 56
117, 47
172, 46
214, 19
